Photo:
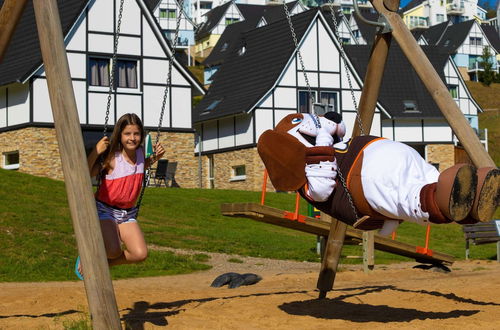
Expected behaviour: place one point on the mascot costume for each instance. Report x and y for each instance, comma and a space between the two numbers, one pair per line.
384, 181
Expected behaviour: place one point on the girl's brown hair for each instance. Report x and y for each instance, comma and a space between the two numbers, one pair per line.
115, 140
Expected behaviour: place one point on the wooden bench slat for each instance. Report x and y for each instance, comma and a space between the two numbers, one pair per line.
482, 228
480, 241
482, 235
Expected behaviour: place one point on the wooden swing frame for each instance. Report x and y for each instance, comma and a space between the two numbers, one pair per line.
98, 285
371, 88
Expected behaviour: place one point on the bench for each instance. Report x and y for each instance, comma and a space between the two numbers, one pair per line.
481, 233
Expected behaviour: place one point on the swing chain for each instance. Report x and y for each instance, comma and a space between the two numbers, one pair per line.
113, 66
169, 76
296, 43
147, 174
294, 36
344, 57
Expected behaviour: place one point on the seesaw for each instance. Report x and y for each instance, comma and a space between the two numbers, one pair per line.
321, 227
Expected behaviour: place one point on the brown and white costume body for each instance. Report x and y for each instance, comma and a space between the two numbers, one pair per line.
387, 180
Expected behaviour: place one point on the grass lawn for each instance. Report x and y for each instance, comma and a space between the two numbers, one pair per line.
38, 242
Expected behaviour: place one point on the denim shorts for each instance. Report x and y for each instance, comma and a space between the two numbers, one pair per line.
119, 216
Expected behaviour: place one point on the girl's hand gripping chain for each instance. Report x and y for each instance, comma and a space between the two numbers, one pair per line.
102, 145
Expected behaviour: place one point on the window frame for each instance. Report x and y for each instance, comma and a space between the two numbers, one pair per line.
234, 173
116, 82
13, 166
311, 104
455, 88
336, 104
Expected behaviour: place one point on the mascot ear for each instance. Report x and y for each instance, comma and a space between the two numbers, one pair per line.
284, 158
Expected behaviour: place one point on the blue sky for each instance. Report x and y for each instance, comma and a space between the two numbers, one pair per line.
491, 2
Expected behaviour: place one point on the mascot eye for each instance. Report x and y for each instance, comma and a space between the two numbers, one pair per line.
296, 120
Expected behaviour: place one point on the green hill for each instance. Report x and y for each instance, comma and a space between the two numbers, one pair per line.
488, 98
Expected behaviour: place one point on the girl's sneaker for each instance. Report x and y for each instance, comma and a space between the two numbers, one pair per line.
77, 272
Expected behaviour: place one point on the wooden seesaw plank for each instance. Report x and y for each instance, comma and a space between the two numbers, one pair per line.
320, 227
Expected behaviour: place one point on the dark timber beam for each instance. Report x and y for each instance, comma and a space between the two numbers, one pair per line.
10, 14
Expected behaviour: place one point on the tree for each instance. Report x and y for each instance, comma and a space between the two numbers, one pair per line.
487, 76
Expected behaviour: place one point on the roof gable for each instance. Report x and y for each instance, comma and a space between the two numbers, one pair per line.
23, 55
454, 36
250, 70
214, 16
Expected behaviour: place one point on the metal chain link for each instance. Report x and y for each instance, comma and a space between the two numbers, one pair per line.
344, 56
113, 66
347, 71
111, 83
168, 85
294, 36
296, 43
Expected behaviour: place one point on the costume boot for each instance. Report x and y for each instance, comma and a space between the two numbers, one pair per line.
487, 196
455, 191
428, 204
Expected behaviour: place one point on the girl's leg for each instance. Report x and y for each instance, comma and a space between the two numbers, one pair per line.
131, 235
111, 237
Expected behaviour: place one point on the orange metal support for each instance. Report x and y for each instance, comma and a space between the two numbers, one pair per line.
295, 215
425, 250
264, 187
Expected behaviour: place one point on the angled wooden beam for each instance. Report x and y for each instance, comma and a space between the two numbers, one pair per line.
435, 86
10, 14
98, 286
366, 111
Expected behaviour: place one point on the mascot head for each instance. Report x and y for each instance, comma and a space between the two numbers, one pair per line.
283, 149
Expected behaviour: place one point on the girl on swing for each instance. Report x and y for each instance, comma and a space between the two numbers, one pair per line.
122, 175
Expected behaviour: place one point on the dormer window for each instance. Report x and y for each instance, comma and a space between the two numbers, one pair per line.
213, 105
224, 47
242, 51
410, 106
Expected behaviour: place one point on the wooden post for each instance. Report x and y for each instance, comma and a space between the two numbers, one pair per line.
436, 87
99, 289
366, 110
331, 256
10, 14
368, 250
372, 83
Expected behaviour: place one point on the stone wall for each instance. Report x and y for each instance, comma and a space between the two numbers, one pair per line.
223, 170
179, 147
442, 154
39, 153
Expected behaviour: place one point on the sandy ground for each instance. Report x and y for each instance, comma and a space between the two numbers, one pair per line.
390, 297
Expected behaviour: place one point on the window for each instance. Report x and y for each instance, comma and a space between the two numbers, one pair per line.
213, 105
305, 102
410, 106
440, 18
475, 41
330, 100
163, 13
346, 41
127, 73
99, 72
205, 5
231, 20
171, 13
11, 160
453, 91
238, 173
224, 47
